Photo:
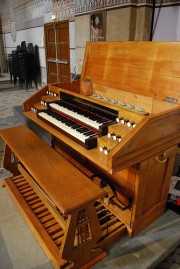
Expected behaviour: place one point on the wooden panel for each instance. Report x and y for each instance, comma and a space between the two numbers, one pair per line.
63, 71
52, 67
139, 67
151, 189
62, 34
74, 86
57, 47
50, 34
62, 174
52, 78
152, 134
52, 72
51, 51
63, 50
144, 102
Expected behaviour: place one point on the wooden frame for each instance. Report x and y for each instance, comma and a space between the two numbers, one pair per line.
97, 26
58, 70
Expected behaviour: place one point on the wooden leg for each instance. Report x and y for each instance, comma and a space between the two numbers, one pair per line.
81, 235
9, 161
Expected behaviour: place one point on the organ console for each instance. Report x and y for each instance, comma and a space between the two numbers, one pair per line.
82, 120
114, 136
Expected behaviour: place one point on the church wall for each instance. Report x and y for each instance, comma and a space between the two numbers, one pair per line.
121, 24
143, 24
118, 24
82, 34
24, 21
124, 20
167, 24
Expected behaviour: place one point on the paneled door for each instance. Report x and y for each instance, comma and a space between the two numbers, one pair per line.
57, 51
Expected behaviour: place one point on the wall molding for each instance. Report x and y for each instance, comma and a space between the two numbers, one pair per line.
64, 10
32, 13
29, 11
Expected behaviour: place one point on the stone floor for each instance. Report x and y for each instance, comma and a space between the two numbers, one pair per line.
10, 256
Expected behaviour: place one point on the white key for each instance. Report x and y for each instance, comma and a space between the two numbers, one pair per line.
75, 115
64, 127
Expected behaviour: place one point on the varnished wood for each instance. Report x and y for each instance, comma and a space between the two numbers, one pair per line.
49, 98
144, 68
62, 174
9, 161
46, 200
117, 159
43, 237
99, 196
85, 249
51, 235
57, 50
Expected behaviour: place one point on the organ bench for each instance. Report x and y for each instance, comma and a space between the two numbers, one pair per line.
48, 191
79, 197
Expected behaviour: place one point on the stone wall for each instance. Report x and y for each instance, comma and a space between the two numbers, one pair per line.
122, 24
124, 20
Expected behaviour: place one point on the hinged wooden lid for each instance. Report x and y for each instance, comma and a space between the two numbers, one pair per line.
145, 68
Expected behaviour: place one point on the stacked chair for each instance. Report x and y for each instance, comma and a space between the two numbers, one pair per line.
22, 65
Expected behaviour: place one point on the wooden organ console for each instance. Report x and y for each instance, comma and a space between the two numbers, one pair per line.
114, 140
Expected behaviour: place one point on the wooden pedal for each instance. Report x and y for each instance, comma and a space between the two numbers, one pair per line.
48, 231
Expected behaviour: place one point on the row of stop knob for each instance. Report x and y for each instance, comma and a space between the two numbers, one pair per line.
105, 150
126, 121
114, 136
51, 93
117, 137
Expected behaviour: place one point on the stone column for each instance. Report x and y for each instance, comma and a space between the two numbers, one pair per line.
129, 24
143, 24
3, 60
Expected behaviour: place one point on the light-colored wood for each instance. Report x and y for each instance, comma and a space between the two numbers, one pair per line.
46, 200
141, 101
9, 161
151, 188
105, 141
73, 86
85, 247
148, 136
93, 154
49, 98
57, 40
124, 155
161, 106
39, 106
144, 68
53, 89
62, 174
140, 82
119, 129
36, 227
51, 236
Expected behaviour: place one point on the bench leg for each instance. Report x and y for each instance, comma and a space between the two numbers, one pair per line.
81, 235
10, 161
